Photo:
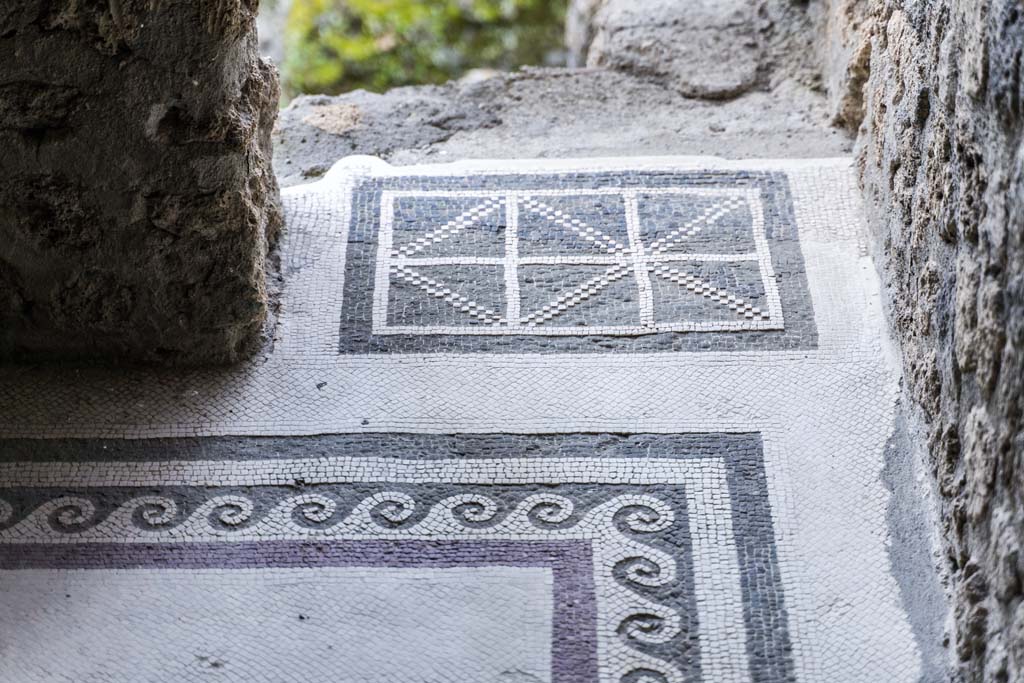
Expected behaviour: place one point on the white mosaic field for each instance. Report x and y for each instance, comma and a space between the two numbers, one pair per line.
670, 547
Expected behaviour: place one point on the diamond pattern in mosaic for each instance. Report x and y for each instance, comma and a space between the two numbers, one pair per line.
458, 295
583, 296
693, 223
711, 290
560, 225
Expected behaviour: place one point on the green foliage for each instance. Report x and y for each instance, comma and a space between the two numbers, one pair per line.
333, 46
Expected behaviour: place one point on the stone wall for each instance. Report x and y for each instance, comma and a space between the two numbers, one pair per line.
136, 198
943, 170
710, 49
844, 54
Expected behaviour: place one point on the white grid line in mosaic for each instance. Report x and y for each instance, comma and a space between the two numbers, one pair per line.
716, 573
399, 263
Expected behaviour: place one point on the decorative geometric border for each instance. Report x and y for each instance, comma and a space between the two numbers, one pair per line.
363, 328
678, 526
636, 258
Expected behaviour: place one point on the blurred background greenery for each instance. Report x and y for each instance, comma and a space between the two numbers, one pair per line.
333, 46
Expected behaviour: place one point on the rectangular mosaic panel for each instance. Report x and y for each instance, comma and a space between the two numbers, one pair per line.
585, 262
660, 548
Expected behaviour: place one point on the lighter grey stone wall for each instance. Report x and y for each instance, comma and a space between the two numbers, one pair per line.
708, 49
942, 166
136, 197
845, 54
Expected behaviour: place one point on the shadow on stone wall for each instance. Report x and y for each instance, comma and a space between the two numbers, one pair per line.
136, 197
942, 164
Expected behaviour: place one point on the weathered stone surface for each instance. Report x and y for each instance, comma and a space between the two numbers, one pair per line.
317, 130
846, 51
136, 198
943, 165
713, 49
548, 113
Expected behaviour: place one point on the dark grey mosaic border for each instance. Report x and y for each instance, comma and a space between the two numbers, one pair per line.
764, 609
378, 444
780, 227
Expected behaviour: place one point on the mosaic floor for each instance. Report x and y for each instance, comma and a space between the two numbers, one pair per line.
612, 421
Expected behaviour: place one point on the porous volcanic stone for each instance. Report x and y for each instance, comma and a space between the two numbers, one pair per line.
136, 197
943, 166
710, 49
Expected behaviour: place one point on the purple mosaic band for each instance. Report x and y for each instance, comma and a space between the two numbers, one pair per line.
574, 646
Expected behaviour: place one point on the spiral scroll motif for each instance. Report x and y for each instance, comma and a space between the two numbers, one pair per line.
651, 627
232, 511
644, 514
387, 509
312, 507
70, 513
548, 509
616, 527
152, 511
645, 571
470, 508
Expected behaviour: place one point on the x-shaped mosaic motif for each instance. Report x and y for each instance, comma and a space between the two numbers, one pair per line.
518, 262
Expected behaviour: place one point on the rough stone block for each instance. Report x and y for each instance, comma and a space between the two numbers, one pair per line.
942, 164
709, 49
136, 197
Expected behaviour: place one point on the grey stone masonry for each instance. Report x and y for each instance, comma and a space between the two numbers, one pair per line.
136, 197
941, 162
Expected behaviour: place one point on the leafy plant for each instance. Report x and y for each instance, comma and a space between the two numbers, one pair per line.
333, 46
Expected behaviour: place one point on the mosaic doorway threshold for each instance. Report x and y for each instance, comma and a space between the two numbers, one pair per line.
612, 421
